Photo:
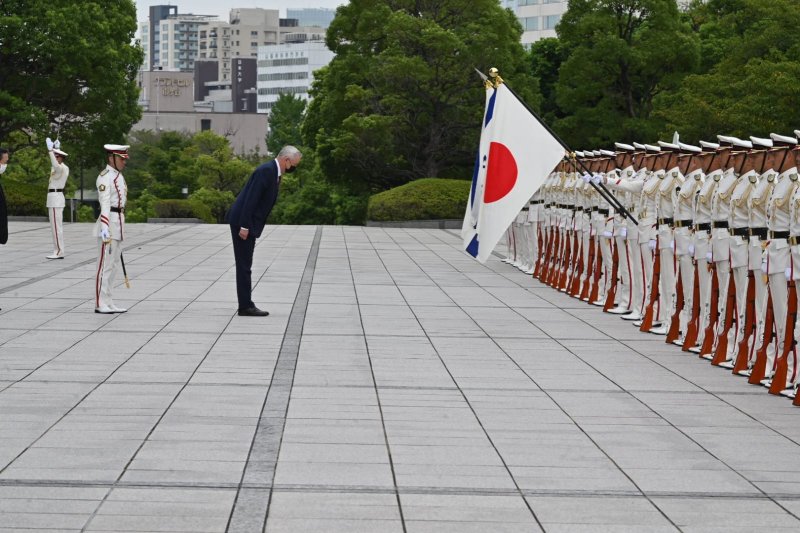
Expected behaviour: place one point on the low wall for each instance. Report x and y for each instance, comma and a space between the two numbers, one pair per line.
427, 224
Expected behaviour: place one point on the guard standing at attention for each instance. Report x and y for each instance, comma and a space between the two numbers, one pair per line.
110, 227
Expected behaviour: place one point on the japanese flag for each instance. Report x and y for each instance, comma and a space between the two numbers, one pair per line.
515, 156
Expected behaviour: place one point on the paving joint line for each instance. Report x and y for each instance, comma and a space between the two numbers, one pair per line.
251, 506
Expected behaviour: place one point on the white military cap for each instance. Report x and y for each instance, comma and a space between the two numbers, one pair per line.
607, 152
732, 141
624, 147
60, 152
709, 147
640, 146
689, 148
741, 143
598, 153
651, 148
117, 149
782, 140
579, 153
669, 146
797, 133
760, 142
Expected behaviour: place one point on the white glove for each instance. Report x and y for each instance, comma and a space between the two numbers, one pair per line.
57, 145
652, 244
50, 144
672, 245
788, 273
586, 178
623, 232
104, 234
597, 178
709, 256
608, 234
764, 267
691, 250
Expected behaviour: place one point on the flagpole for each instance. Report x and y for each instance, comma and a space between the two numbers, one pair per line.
601, 188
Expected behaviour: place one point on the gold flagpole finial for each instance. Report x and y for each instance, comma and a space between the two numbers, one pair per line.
494, 80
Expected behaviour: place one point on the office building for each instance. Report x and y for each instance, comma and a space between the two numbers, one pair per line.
320, 17
539, 18
288, 69
169, 39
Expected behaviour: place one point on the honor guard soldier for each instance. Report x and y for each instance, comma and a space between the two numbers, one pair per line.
624, 228
59, 172
110, 227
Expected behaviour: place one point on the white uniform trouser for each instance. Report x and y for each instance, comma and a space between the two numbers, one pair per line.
624, 294
522, 246
637, 277
702, 245
56, 215
757, 340
740, 261
780, 294
720, 244
533, 240
107, 264
608, 266
647, 260
586, 276
667, 278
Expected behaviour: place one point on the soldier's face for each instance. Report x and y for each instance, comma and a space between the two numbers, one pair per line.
117, 162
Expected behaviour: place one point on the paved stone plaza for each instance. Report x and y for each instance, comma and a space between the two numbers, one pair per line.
397, 386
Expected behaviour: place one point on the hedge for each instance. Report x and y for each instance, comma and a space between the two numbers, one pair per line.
422, 199
25, 199
183, 209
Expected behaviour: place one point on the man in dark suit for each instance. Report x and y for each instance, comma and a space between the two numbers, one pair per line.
248, 215
3, 212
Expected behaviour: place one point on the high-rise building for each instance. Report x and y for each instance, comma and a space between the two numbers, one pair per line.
247, 30
170, 40
288, 69
319, 16
539, 18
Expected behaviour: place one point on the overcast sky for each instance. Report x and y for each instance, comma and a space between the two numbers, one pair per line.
222, 7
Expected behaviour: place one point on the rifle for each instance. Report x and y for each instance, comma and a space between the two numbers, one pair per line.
537, 264
743, 348
721, 351
655, 295
708, 335
611, 296
577, 269
782, 362
562, 278
584, 294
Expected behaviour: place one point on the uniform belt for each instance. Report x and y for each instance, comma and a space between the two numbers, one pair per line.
578, 209
117, 209
740, 232
761, 233
55, 190
568, 206
668, 220
718, 225
778, 234
537, 202
794, 240
603, 211
594, 209
525, 208
703, 226
687, 223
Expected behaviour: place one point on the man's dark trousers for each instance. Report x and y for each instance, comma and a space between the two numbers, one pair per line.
243, 253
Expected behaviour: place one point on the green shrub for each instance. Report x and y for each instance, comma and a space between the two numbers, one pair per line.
423, 199
217, 201
86, 214
183, 209
25, 199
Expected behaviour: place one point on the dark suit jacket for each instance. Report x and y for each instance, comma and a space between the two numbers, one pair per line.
255, 201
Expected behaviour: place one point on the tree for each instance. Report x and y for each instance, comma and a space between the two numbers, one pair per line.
753, 86
545, 57
620, 55
284, 122
401, 99
69, 68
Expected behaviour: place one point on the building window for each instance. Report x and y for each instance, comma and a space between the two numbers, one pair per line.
253, 44
253, 34
551, 21
529, 23
528, 2
205, 124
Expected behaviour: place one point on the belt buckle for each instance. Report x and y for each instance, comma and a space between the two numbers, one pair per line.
793, 241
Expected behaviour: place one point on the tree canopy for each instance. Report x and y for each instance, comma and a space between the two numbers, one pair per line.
284, 122
620, 55
68, 69
401, 99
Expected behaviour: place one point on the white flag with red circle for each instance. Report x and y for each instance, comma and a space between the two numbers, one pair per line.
515, 156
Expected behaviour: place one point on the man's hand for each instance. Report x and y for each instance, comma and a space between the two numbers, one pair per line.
243, 233
49, 142
57, 145
104, 234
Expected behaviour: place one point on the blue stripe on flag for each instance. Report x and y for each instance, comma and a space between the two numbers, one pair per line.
490, 108
472, 248
475, 178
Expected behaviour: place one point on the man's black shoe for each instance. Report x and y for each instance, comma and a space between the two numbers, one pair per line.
253, 311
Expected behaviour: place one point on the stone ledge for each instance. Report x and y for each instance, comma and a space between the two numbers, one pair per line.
426, 224
19, 218
174, 221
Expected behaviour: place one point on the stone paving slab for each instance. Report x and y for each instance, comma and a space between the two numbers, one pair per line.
397, 385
